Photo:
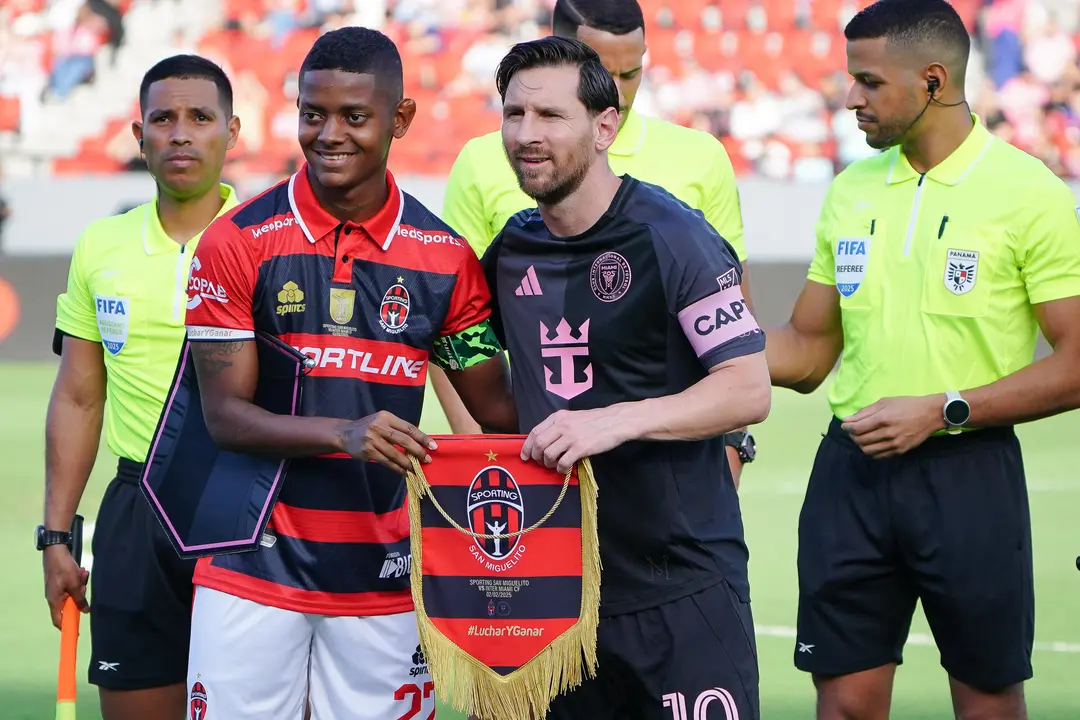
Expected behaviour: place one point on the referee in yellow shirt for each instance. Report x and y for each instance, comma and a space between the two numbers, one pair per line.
119, 329
937, 263
482, 191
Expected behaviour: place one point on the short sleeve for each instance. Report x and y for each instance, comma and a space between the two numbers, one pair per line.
1049, 247
490, 265
463, 203
75, 311
471, 302
222, 285
823, 266
721, 205
702, 280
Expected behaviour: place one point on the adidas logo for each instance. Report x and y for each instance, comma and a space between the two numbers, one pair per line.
529, 284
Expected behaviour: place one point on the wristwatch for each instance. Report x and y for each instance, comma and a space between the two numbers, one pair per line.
956, 412
743, 442
45, 538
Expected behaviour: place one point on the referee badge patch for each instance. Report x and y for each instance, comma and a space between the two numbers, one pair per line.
852, 257
961, 269
113, 319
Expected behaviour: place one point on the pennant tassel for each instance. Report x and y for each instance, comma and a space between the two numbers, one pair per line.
472, 687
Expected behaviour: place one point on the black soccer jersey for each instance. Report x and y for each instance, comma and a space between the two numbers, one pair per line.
641, 305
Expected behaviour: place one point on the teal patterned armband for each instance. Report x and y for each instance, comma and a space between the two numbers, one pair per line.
469, 347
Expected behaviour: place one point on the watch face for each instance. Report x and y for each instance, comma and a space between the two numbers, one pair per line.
957, 412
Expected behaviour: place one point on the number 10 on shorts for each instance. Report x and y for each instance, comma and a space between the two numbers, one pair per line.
677, 703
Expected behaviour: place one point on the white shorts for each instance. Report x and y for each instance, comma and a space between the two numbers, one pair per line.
248, 660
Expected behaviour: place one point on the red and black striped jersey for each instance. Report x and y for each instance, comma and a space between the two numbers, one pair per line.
366, 302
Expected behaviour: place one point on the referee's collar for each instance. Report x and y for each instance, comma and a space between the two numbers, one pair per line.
317, 223
154, 238
954, 168
631, 135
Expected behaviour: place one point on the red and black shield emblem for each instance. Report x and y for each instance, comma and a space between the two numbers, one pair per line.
198, 702
495, 508
394, 311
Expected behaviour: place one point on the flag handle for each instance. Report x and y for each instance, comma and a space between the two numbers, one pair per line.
69, 637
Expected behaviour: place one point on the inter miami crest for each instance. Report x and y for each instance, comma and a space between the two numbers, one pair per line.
198, 702
495, 508
394, 310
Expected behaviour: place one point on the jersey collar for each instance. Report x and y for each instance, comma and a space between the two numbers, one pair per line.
156, 240
317, 223
955, 168
631, 136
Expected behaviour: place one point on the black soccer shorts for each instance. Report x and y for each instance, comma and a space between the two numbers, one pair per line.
690, 659
948, 524
140, 593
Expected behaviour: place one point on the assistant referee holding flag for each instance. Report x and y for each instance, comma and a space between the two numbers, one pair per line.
482, 192
937, 262
119, 329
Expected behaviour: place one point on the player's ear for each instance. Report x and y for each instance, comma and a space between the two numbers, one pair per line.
607, 127
136, 130
403, 117
234, 132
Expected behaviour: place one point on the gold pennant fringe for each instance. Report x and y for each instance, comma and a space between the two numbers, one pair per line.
472, 687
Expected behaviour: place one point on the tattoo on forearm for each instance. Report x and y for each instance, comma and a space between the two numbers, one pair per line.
212, 357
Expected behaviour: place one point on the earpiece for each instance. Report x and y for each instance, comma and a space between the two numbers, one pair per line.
932, 85
140, 143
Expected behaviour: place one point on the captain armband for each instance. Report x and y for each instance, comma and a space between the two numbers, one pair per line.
469, 347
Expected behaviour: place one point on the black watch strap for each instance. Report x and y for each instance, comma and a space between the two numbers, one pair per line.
52, 537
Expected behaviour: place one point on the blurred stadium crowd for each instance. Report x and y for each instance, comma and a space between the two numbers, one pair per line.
765, 76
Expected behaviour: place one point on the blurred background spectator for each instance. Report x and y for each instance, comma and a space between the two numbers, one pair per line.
765, 76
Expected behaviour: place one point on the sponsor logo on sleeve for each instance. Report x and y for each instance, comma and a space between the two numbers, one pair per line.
717, 319
727, 280
430, 237
200, 288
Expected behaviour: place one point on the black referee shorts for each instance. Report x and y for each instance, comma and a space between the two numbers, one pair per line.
140, 593
690, 659
948, 524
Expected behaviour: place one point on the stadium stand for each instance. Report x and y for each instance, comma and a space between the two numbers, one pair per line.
765, 76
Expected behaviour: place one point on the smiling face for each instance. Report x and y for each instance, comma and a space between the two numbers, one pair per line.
885, 92
548, 133
186, 132
347, 123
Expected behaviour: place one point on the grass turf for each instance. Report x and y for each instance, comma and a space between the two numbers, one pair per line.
771, 497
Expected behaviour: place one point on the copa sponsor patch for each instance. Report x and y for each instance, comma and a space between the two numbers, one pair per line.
114, 320
852, 257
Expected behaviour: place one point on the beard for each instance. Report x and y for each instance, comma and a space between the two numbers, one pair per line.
551, 185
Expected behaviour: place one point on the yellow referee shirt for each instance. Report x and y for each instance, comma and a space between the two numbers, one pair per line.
482, 191
937, 273
127, 289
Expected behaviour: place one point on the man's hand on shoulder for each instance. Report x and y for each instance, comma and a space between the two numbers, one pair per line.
568, 436
376, 438
894, 426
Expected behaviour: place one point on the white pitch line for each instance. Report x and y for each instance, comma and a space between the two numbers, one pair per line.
921, 639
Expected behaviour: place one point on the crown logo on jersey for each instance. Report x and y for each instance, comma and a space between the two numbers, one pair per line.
563, 334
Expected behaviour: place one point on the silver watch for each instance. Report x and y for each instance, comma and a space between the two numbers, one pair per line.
956, 412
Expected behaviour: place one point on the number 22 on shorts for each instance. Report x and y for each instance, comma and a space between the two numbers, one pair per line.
417, 697
677, 703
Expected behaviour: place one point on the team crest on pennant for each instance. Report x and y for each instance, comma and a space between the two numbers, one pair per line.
113, 320
342, 302
852, 257
505, 575
197, 702
394, 309
961, 268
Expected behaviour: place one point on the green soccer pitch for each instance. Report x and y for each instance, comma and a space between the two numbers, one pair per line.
771, 496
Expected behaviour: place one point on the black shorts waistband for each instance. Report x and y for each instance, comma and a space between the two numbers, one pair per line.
939, 444
129, 471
